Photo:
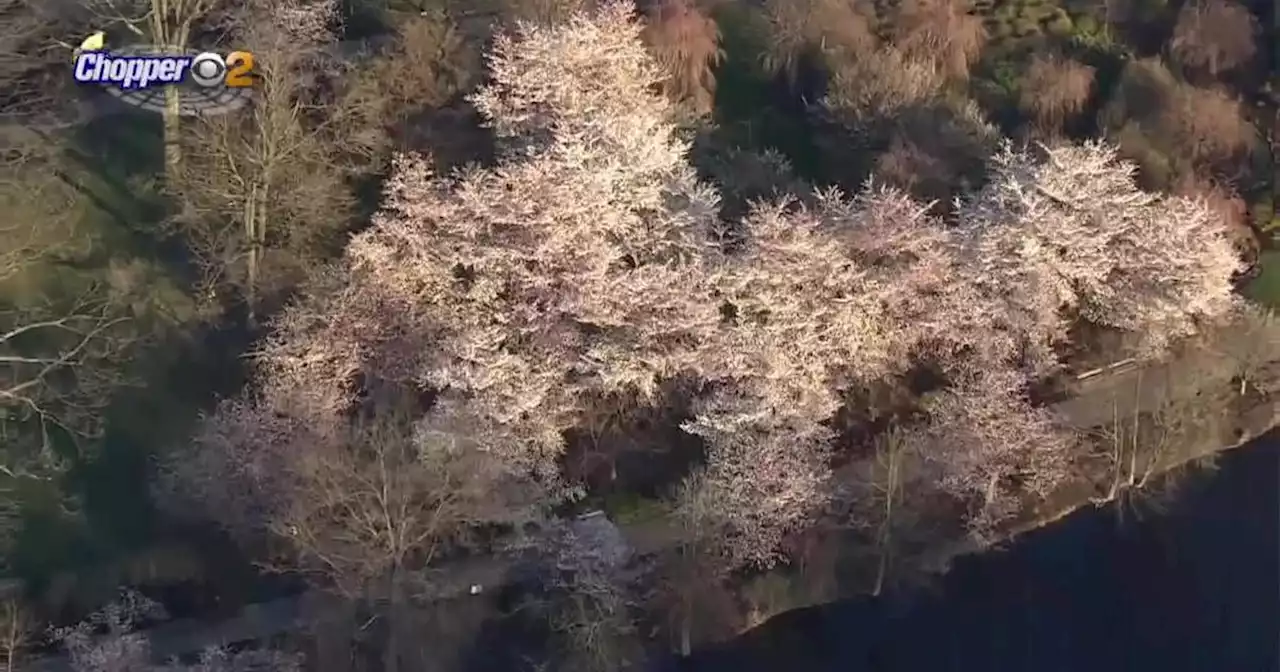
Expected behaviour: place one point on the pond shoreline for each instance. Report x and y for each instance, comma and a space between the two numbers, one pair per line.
1191, 588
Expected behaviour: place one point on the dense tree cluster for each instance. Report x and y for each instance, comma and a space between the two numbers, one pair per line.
591, 262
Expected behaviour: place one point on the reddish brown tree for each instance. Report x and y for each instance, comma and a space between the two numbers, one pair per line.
1214, 36
1174, 128
834, 31
946, 33
881, 85
936, 151
686, 43
1209, 126
1053, 90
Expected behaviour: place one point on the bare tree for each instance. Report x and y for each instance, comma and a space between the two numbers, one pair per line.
64, 330
66, 318
17, 633
590, 603
371, 509
1249, 342
107, 640
882, 497
42, 210
691, 590
1134, 447
168, 24
61, 334
1165, 426
380, 500
1214, 36
336, 460
53, 361
264, 194
33, 66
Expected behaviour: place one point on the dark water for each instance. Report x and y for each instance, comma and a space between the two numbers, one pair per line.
1194, 588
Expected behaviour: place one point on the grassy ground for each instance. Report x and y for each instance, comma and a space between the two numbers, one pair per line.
1265, 289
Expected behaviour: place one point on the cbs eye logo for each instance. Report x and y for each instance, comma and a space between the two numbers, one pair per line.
235, 71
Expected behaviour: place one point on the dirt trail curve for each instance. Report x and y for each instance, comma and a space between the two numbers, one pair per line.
1094, 404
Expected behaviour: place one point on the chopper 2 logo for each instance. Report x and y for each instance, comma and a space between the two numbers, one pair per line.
212, 83
142, 70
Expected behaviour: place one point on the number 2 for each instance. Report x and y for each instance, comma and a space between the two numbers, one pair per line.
239, 69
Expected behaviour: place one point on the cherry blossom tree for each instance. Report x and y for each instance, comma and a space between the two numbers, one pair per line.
822, 298
108, 640
570, 269
1073, 231
991, 446
508, 296
848, 290
765, 477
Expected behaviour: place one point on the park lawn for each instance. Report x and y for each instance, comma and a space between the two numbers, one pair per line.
1265, 289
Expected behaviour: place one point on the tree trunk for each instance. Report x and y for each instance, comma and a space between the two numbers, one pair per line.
395, 593
258, 243
881, 571
686, 634
172, 132
251, 238
892, 453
